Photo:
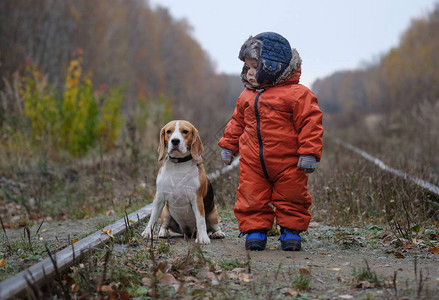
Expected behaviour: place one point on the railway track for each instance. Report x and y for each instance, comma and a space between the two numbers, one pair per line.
46, 270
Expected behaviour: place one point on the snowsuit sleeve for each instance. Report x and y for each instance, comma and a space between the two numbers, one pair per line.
234, 129
308, 123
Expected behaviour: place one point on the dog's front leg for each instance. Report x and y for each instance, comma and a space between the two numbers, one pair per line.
157, 208
198, 208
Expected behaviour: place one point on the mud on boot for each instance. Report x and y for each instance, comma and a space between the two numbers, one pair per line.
290, 240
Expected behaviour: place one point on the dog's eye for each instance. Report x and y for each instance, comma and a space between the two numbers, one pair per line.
168, 131
185, 131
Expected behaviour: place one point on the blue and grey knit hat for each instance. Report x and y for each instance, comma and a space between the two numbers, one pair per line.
277, 61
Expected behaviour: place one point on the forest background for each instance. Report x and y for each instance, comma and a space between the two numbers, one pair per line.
86, 86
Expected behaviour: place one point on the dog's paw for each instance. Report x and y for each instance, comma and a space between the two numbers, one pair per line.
217, 235
164, 233
147, 233
203, 239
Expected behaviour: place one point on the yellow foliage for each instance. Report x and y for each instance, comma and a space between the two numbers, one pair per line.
79, 118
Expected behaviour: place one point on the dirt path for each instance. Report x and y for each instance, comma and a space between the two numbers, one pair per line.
330, 255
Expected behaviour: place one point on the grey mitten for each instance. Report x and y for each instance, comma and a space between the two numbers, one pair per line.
307, 163
227, 156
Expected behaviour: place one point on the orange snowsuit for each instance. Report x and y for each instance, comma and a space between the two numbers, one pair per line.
271, 128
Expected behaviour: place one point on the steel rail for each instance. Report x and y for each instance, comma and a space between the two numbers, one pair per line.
45, 270
416, 180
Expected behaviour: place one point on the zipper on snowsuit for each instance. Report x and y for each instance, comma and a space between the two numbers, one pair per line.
258, 130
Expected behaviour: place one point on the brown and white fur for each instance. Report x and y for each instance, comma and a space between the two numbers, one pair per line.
184, 195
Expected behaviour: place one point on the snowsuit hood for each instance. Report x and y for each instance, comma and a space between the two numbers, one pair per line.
277, 61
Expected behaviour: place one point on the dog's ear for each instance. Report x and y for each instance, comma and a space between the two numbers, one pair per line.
162, 144
196, 146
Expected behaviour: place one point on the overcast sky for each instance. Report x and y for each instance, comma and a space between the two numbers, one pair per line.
329, 35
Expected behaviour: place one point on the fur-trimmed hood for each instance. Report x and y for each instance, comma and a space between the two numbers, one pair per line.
277, 61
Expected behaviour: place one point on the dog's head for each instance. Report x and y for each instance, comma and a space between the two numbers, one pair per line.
180, 138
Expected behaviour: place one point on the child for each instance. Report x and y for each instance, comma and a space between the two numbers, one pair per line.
277, 129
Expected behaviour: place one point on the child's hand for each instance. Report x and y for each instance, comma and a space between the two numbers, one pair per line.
227, 156
307, 163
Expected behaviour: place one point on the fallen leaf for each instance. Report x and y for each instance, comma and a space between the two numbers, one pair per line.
146, 281
123, 295
244, 277
336, 269
364, 285
235, 228
131, 221
105, 288
213, 278
435, 250
108, 232
43, 230
75, 287
409, 246
169, 279
288, 292
346, 296
304, 271
3, 263
75, 240
399, 255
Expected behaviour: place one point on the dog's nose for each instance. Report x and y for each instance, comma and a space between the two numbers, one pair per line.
175, 142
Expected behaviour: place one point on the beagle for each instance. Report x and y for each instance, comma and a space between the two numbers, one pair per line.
184, 195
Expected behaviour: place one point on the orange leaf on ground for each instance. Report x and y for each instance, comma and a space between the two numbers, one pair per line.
304, 271
435, 250
3, 263
108, 232
399, 255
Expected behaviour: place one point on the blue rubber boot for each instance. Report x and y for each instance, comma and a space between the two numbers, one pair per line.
290, 240
256, 240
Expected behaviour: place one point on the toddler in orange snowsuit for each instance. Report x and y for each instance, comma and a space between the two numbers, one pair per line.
277, 129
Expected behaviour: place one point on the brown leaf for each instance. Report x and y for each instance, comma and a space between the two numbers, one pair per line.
75, 240
75, 287
244, 277
105, 288
169, 279
364, 285
409, 246
163, 266
124, 295
304, 271
213, 278
146, 281
435, 250
288, 292
3, 263
399, 255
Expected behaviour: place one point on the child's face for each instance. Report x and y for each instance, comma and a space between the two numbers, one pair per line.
252, 64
